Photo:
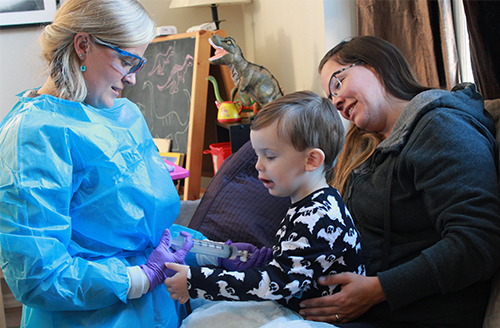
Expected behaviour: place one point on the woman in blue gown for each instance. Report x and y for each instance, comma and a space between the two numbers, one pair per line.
85, 195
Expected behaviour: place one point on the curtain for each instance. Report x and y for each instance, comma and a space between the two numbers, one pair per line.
483, 23
421, 29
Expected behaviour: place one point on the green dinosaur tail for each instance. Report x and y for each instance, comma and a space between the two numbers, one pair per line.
216, 88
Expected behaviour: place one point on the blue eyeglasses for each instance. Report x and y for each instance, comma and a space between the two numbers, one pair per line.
130, 63
335, 85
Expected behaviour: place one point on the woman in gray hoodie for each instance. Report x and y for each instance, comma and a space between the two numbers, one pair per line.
418, 173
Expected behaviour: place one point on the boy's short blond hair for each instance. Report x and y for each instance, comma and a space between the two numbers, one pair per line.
306, 120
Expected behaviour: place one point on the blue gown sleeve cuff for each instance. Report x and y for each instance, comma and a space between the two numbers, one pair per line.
139, 282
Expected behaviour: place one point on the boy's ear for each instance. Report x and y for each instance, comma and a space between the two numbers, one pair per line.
315, 159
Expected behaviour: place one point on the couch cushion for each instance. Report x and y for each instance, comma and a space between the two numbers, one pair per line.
188, 207
492, 318
237, 206
493, 107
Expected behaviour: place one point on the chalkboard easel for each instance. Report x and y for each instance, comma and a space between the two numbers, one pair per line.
171, 92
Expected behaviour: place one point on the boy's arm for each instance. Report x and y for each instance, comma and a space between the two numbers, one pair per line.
266, 283
177, 284
290, 272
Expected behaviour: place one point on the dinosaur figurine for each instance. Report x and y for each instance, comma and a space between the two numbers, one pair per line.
250, 80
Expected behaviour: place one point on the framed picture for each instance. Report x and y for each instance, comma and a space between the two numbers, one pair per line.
25, 12
176, 158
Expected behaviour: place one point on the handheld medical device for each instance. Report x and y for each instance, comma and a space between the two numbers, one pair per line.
208, 247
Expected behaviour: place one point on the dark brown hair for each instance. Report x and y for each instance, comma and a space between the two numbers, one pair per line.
393, 69
398, 79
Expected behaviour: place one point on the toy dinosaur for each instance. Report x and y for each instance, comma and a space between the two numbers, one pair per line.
249, 79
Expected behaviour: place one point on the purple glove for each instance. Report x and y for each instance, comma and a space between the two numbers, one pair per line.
259, 257
155, 268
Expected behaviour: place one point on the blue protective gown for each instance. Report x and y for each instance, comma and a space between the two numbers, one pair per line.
84, 194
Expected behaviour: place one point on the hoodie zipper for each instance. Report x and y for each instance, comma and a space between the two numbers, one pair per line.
387, 207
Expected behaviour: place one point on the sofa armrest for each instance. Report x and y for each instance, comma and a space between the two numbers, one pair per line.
188, 207
492, 318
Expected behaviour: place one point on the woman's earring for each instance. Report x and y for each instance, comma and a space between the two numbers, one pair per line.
83, 68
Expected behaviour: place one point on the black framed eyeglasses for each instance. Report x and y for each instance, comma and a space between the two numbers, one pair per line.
131, 63
335, 85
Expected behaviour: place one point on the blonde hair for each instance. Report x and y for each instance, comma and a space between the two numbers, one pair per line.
123, 23
307, 121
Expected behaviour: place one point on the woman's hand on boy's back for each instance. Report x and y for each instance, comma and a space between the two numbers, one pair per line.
358, 294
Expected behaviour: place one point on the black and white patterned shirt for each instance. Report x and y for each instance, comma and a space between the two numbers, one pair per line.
317, 237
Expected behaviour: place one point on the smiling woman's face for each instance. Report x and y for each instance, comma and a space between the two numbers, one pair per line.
103, 77
362, 98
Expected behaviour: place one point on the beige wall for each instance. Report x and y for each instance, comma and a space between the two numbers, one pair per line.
288, 37
21, 67
20, 64
183, 18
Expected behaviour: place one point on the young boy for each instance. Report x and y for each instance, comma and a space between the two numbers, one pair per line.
296, 138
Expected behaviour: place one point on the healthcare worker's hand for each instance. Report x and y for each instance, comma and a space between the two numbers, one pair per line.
155, 268
177, 284
257, 257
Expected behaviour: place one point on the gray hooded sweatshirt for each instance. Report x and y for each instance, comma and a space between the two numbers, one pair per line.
427, 207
